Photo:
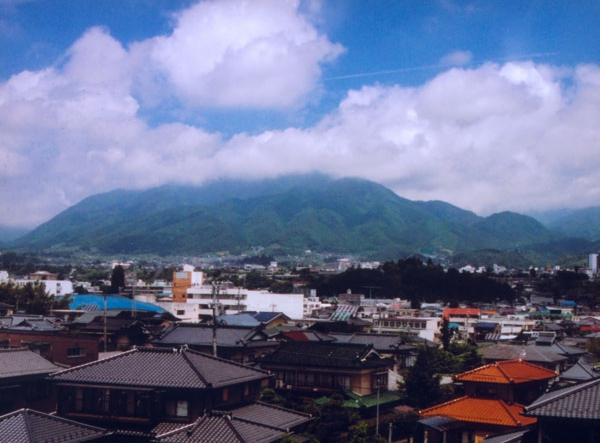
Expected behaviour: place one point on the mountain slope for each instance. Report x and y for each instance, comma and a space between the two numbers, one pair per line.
287, 215
583, 223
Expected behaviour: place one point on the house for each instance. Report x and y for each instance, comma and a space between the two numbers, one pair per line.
545, 356
495, 395
56, 345
23, 381
327, 367
30, 426
134, 392
387, 345
514, 381
569, 414
239, 344
253, 423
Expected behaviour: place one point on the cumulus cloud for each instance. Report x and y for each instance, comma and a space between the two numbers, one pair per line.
230, 53
515, 136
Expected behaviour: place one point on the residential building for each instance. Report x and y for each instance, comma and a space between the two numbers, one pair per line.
136, 391
30, 426
494, 398
427, 328
569, 414
238, 344
328, 367
23, 381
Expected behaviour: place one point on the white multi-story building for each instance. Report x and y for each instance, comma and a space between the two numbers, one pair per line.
198, 302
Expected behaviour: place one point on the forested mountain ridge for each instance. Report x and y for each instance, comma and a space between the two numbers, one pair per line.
287, 215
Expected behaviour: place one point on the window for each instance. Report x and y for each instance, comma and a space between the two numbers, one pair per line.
75, 352
180, 312
176, 408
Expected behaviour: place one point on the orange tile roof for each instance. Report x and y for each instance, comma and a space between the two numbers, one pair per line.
481, 410
471, 312
507, 371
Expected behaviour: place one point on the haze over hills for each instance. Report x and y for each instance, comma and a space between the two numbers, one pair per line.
288, 216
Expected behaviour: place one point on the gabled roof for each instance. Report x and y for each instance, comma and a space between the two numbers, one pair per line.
307, 335
266, 317
481, 410
580, 371
200, 335
271, 415
29, 426
224, 428
577, 402
161, 367
326, 354
533, 354
242, 319
17, 362
507, 372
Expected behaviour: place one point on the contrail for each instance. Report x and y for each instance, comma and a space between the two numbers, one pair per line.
438, 66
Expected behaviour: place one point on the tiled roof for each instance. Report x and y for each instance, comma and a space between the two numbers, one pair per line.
161, 367
190, 334
507, 371
533, 354
222, 428
16, 362
28, 426
326, 354
579, 402
242, 319
307, 336
513, 437
580, 371
481, 410
471, 312
271, 415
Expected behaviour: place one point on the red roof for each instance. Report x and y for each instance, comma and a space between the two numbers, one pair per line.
470, 312
507, 371
481, 410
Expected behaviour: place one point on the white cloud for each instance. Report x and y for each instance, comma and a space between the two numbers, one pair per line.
517, 136
231, 53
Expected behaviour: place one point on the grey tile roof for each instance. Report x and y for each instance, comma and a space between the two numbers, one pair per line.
16, 362
512, 437
326, 354
222, 428
29, 426
191, 334
577, 402
580, 371
271, 415
534, 354
161, 367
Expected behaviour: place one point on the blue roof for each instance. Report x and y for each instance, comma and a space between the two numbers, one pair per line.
93, 302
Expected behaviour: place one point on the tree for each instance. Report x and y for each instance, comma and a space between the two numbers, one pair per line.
445, 334
31, 298
117, 279
422, 383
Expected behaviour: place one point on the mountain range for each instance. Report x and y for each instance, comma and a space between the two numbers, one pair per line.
292, 214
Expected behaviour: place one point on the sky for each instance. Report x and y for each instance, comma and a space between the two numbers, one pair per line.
488, 105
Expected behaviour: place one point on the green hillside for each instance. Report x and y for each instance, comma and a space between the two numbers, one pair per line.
287, 215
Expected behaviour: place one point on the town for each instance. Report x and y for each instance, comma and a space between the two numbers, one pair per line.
405, 351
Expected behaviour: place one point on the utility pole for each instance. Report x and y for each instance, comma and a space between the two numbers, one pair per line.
215, 307
104, 322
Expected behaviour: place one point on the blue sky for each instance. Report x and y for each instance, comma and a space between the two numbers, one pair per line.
488, 105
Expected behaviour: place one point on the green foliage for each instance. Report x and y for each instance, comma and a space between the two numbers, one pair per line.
416, 281
31, 298
286, 215
422, 382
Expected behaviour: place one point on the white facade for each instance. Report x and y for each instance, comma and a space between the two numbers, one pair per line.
231, 300
53, 287
424, 327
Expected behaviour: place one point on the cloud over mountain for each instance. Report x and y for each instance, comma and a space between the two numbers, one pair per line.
513, 135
